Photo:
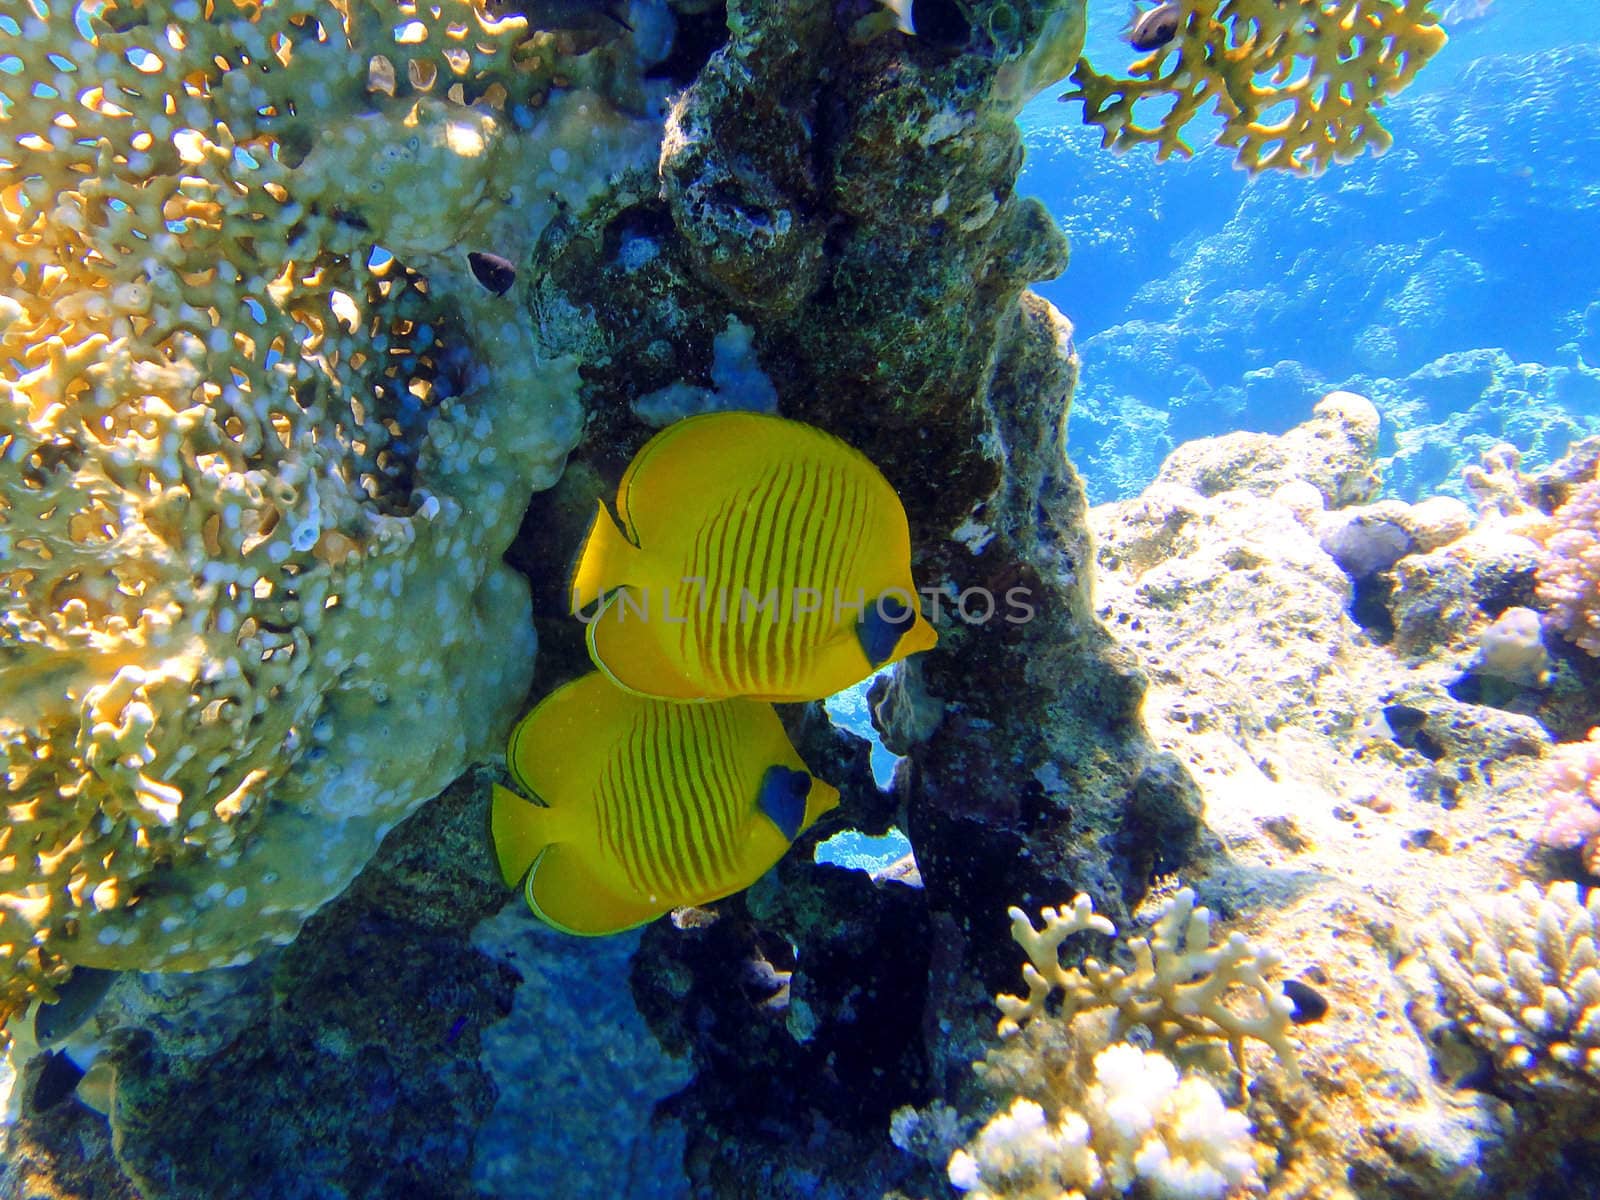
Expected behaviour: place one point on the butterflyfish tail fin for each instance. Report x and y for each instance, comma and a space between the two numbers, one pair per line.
520, 831
603, 560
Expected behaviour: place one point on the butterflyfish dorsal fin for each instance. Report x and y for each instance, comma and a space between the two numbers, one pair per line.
563, 743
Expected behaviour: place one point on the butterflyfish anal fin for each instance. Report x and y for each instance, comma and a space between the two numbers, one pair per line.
626, 643
519, 831
563, 893
783, 799
604, 561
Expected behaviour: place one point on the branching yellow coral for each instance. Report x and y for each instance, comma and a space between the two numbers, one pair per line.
262, 442
1296, 82
1178, 988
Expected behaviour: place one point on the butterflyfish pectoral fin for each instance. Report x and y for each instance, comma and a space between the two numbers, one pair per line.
519, 830
564, 894
626, 643
603, 562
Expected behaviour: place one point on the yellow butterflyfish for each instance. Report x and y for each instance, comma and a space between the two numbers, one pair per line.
757, 557
646, 805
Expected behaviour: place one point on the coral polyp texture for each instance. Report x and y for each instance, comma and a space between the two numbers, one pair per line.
1569, 574
1296, 84
1179, 988
1141, 1126
1520, 974
1572, 818
263, 438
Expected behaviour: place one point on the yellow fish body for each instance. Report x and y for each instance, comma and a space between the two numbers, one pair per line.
648, 805
758, 557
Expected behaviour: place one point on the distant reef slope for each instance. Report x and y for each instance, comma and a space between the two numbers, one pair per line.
1439, 279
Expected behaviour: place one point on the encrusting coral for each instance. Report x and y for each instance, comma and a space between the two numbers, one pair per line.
263, 437
1520, 973
1331, 62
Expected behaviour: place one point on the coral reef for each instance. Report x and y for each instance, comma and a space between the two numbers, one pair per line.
345, 1064
820, 222
1354, 794
1119, 1116
1520, 974
265, 437
1178, 988
1572, 817
1204, 304
1140, 1127
1569, 573
1332, 63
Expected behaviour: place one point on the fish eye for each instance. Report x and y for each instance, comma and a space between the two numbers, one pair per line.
783, 799
894, 611
885, 622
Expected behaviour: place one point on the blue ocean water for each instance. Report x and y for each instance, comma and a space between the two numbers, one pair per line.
1439, 279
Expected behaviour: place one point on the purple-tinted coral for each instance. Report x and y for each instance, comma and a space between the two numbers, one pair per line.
1572, 780
1569, 576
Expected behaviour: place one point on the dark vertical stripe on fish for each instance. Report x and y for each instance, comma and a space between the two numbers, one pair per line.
727, 640
667, 853
777, 508
723, 776
645, 815
819, 498
702, 792
625, 840
720, 789
686, 802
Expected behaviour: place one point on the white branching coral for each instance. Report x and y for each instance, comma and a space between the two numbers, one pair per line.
263, 438
1178, 986
1140, 1125
1520, 974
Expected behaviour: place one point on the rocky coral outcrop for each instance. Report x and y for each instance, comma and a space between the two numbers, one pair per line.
1357, 790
